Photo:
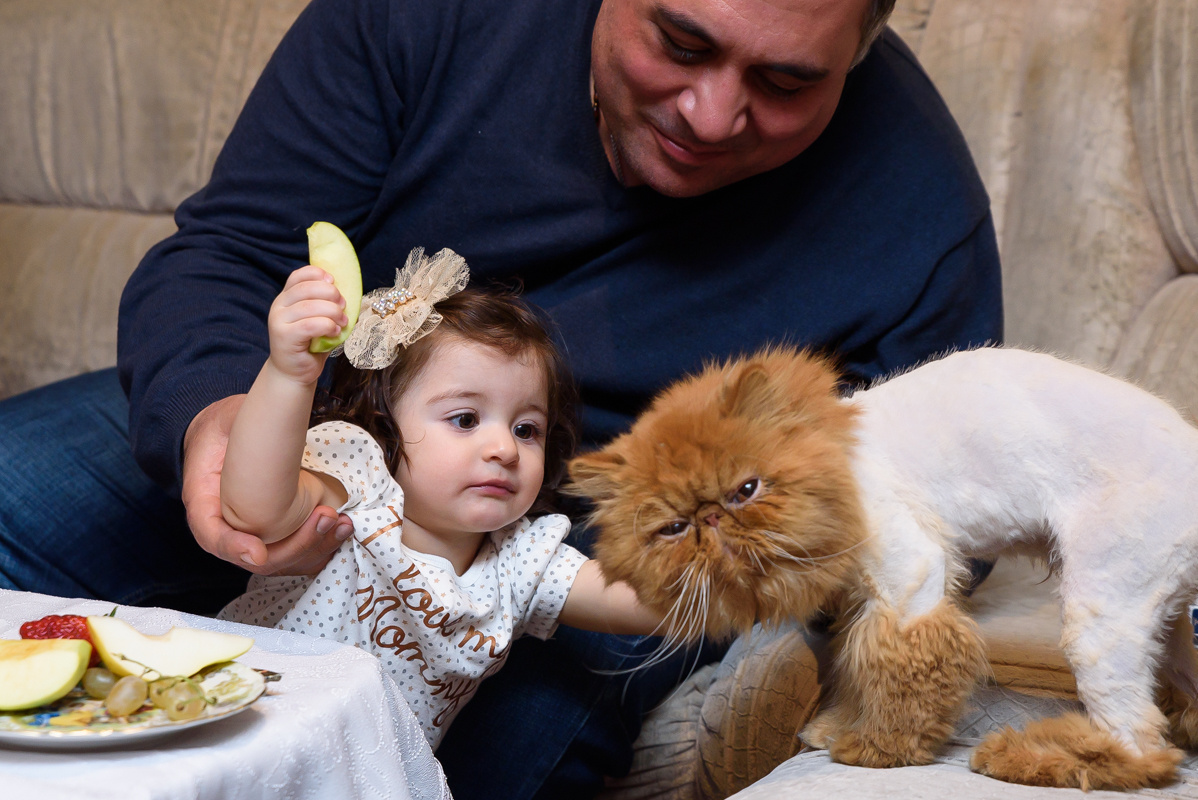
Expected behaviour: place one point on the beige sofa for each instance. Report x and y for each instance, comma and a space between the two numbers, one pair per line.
1083, 117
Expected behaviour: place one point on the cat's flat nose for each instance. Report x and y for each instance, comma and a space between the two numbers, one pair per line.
713, 519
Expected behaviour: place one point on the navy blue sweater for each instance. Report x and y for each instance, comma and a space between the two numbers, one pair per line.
467, 124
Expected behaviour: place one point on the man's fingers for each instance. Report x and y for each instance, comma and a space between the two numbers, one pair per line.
306, 551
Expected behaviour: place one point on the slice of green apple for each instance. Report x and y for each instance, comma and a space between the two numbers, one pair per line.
34, 672
331, 250
180, 651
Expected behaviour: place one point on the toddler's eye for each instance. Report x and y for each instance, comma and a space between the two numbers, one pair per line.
745, 492
465, 420
526, 431
674, 530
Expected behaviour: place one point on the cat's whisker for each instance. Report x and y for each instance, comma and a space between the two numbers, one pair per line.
636, 516
806, 560
677, 626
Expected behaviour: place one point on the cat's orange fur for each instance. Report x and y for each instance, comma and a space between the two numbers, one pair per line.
1047, 752
722, 426
733, 500
901, 687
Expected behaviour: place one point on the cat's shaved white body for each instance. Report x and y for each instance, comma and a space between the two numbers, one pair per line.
753, 491
994, 450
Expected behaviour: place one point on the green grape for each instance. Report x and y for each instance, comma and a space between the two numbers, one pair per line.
184, 700
127, 696
158, 690
98, 682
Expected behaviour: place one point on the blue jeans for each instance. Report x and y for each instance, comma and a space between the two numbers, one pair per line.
78, 518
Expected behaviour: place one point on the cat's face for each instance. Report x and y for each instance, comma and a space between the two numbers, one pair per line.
731, 499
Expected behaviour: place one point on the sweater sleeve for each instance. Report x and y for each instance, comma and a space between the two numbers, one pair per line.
313, 142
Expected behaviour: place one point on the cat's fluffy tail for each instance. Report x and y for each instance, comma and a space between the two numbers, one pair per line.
1069, 751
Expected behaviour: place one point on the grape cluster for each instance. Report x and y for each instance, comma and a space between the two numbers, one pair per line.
180, 698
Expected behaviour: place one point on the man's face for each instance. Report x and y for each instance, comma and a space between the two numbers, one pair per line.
698, 94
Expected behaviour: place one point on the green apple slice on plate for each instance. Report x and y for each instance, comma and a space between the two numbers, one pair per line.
34, 672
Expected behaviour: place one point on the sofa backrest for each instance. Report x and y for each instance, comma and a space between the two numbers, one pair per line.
1082, 115
1078, 116
111, 113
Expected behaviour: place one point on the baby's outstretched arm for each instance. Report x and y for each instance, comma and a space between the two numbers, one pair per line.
263, 490
595, 605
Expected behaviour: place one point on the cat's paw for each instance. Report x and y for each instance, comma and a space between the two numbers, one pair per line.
1068, 751
879, 752
1183, 727
826, 728
831, 731
1182, 713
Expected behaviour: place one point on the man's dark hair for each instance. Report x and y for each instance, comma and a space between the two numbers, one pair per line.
875, 20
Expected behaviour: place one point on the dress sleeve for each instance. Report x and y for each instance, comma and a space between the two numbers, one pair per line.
352, 456
541, 568
313, 142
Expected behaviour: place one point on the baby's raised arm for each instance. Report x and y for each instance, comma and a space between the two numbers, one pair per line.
595, 605
263, 489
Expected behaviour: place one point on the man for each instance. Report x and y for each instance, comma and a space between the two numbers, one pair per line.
671, 180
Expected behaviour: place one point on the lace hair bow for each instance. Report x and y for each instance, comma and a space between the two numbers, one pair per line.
395, 317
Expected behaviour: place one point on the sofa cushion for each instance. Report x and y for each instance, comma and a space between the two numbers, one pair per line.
1042, 94
1164, 106
61, 275
125, 105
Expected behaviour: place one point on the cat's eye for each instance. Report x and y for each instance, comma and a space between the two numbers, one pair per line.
745, 492
674, 530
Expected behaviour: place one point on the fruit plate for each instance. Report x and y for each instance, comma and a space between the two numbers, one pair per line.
79, 722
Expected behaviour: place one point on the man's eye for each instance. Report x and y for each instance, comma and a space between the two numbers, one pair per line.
679, 53
780, 90
526, 431
465, 421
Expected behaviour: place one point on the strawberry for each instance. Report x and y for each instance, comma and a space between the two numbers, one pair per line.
65, 626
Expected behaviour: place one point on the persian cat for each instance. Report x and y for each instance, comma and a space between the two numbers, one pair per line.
754, 492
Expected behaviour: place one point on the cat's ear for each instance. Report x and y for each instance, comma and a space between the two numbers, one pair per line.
594, 474
750, 393
782, 387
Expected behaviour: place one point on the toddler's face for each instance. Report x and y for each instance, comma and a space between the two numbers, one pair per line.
473, 422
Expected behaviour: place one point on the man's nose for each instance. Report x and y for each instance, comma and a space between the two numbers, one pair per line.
715, 105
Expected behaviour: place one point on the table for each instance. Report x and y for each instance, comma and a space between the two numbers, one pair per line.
334, 727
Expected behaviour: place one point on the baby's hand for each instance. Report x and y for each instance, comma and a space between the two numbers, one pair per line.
309, 306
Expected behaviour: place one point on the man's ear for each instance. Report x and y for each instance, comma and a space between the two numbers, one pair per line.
594, 474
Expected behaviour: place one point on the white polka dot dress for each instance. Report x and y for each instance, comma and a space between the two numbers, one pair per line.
438, 633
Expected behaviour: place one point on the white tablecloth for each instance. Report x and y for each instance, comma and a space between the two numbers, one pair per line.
334, 727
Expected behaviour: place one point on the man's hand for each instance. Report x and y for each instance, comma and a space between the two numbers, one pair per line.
304, 552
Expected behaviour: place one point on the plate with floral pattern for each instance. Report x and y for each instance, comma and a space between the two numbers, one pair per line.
79, 722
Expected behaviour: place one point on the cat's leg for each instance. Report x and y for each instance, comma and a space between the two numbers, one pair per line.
1178, 696
900, 685
1114, 655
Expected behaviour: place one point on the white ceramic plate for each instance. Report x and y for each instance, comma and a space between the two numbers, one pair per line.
79, 722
